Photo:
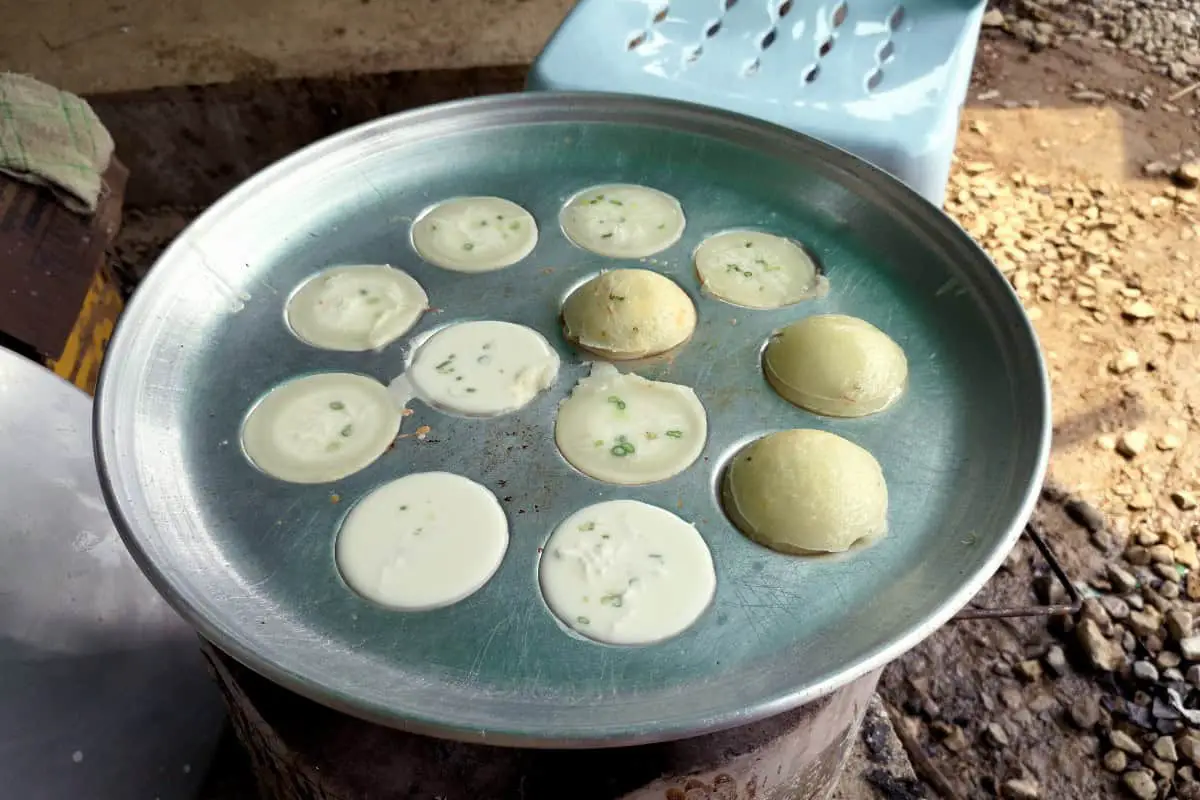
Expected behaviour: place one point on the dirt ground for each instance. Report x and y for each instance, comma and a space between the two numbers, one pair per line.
1106, 259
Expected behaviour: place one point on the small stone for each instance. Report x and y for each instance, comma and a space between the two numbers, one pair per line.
1191, 585
1179, 624
1029, 670
1183, 500
1140, 783
952, 736
1168, 442
1042, 702
1187, 175
1164, 748
1167, 572
1147, 539
1023, 789
1190, 749
1160, 603
1123, 741
1169, 590
1085, 515
1185, 553
1172, 675
1121, 579
1164, 769
1139, 310
995, 735
1140, 501
1085, 713
1092, 608
1161, 554
1103, 653
1132, 443
1012, 697
1106, 441
1056, 660
1124, 361
1137, 555
1167, 660
1145, 671
1115, 606
1189, 648
1115, 761
1144, 623
1155, 169
994, 18
1193, 675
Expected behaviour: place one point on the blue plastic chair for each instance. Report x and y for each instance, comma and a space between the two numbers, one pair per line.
883, 79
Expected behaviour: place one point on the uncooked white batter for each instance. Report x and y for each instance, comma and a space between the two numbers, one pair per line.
356, 308
320, 428
422, 541
474, 234
623, 220
624, 572
483, 368
756, 270
628, 430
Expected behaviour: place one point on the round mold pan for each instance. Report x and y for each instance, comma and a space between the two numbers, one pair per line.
249, 560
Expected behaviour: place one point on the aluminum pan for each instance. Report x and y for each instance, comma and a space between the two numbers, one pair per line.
250, 560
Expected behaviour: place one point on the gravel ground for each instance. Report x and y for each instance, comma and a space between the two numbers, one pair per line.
1166, 33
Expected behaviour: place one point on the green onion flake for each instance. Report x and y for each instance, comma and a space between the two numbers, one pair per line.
623, 447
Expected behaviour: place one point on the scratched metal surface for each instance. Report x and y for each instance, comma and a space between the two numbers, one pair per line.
250, 560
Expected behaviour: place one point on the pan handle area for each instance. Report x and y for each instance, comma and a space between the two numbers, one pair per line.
1052, 610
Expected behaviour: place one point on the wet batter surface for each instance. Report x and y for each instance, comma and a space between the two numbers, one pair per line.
625, 572
422, 541
483, 369
627, 430
320, 428
474, 234
356, 308
757, 270
623, 220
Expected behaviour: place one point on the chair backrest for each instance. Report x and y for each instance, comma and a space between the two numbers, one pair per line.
830, 51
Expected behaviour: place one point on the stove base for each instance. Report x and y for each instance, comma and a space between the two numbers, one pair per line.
300, 750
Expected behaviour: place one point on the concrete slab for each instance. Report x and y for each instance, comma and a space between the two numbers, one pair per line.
89, 46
